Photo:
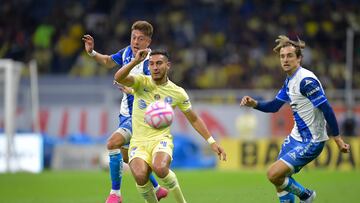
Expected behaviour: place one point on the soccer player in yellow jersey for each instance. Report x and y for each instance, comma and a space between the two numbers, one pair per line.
151, 149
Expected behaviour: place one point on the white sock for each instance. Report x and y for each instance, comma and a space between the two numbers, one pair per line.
116, 192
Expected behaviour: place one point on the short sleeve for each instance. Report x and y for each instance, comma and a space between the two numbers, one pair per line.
138, 79
184, 103
117, 57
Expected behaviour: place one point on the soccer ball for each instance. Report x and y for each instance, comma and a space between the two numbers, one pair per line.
159, 114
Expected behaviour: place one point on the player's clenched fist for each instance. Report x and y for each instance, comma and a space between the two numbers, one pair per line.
248, 101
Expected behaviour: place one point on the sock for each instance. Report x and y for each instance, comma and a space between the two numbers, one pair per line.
154, 182
147, 192
286, 197
171, 182
116, 168
296, 188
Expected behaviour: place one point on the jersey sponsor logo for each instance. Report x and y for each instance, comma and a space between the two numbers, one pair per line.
298, 148
168, 100
313, 91
317, 98
142, 104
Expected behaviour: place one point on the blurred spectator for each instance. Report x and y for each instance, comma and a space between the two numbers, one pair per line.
349, 126
42, 40
208, 39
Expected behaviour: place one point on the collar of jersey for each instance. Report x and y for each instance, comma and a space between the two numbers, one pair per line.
165, 83
297, 70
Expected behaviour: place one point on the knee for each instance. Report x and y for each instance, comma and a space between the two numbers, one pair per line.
275, 177
110, 144
115, 141
141, 177
161, 170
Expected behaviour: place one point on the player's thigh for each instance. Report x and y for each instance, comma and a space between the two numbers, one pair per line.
140, 170
278, 170
139, 165
116, 140
124, 152
161, 160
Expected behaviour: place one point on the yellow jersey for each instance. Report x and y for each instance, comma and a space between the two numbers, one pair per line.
146, 92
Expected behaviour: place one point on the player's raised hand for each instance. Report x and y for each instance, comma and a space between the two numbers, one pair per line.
89, 43
219, 151
248, 101
343, 147
124, 89
141, 55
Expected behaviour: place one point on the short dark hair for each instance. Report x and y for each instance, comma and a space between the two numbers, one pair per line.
144, 26
160, 52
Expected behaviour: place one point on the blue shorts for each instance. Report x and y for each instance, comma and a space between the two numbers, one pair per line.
125, 123
297, 154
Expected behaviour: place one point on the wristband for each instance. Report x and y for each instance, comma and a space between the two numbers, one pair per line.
211, 140
93, 53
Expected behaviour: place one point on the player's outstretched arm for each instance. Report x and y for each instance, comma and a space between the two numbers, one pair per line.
267, 106
100, 58
122, 75
332, 123
199, 125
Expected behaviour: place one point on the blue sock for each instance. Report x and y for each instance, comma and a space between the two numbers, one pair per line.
116, 168
296, 188
286, 197
153, 181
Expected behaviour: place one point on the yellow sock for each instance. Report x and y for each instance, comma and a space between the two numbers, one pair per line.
147, 192
171, 182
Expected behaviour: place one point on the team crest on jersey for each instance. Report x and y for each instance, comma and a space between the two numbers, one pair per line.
157, 96
142, 104
168, 100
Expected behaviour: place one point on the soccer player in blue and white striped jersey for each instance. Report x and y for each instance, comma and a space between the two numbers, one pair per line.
141, 33
311, 111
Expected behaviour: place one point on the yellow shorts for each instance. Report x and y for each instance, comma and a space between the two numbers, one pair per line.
146, 150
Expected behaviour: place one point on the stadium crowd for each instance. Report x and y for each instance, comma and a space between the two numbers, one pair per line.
214, 44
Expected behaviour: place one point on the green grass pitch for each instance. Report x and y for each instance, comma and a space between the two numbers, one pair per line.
199, 186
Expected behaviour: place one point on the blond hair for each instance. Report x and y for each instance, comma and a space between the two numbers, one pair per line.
284, 41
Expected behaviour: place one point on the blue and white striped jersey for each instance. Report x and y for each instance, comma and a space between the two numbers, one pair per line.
121, 58
304, 92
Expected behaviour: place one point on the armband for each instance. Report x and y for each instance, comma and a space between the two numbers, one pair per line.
93, 53
211, 140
